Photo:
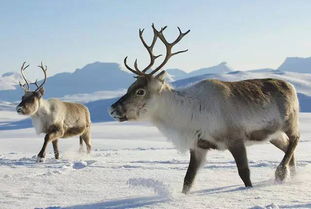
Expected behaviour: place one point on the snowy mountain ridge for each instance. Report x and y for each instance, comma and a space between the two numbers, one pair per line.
9, 81
296, 64
98, 85
99, 76
177, 74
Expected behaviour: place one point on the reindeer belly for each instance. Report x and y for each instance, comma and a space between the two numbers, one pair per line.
73, 131
222, 141
212, 143
204, 144
263, 136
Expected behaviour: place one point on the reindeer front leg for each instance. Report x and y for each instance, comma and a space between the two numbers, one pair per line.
197, 157
54, 133
238, 152
55, 147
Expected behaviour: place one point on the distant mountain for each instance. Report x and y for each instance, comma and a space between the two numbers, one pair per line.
93, 77
8, 81
99, 107
105, 77
296, 64
177, 74
220, 68
302, 81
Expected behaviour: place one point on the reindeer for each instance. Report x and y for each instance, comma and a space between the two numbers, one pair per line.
213, 114
53, 117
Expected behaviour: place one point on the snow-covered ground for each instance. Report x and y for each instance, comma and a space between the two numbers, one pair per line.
133, 166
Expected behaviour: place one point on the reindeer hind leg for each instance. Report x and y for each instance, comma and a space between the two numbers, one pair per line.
87, 140
288, 159
81, 144
282, 142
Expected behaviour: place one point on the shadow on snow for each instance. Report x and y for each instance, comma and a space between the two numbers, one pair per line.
119, 204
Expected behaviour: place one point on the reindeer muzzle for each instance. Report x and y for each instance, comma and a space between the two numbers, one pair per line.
19, 110
116, 112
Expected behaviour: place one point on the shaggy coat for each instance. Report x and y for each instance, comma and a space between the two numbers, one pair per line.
56, 119
225, 112
214, 114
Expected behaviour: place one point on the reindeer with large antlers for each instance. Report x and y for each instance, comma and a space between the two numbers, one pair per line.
53, 117
213, 114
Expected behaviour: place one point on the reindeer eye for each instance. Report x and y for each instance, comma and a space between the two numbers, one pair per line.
141, 92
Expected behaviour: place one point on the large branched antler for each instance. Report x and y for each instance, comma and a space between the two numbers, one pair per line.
156, 34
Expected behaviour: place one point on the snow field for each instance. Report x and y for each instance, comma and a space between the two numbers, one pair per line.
133, 166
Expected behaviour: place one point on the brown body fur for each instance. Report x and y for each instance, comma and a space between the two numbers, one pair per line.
213, 114
56, 119
221, 115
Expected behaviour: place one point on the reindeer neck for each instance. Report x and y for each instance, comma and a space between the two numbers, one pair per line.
43, 108
172, 105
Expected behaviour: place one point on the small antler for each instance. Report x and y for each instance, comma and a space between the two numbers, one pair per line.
136, 71
23, 68
44, 69
156, 34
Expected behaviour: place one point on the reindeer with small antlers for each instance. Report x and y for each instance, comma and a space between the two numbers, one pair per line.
53, 117
213, 114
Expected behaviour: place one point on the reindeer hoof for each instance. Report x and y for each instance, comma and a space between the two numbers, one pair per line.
292, 171
281, 173
186, 189
40, 159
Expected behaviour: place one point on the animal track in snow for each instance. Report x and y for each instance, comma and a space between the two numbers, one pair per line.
157, 186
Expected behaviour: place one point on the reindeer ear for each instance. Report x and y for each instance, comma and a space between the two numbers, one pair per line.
40, 92
161, 76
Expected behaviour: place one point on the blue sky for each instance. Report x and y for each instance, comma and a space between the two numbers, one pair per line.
69, 34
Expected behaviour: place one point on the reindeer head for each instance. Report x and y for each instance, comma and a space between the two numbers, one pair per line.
138, 103
31, 100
